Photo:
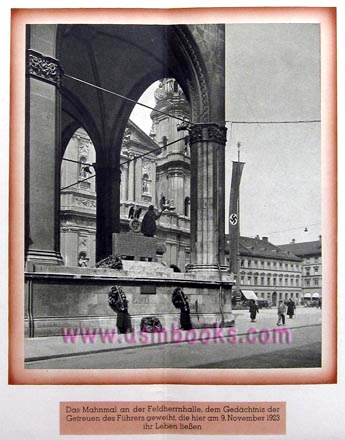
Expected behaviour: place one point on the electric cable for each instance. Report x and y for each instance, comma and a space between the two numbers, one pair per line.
182, 119
127, 99
122, 163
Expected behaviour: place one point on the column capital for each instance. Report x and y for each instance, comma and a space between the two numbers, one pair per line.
208, 133
43, 67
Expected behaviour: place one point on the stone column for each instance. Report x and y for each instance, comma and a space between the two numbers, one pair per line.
108, 206
207, 143
42, 158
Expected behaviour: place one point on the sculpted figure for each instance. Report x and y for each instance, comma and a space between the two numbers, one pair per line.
148, 225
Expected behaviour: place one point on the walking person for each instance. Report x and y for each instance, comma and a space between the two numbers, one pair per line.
253, 310
281, 313
291, 308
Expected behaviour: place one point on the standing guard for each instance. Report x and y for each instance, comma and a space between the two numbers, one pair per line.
180, 301
119, 303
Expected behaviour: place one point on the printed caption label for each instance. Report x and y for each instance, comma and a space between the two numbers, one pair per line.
107, 418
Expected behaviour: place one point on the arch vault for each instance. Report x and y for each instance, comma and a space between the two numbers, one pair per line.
64, 64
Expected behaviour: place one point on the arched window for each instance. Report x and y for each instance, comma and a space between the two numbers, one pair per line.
187, 206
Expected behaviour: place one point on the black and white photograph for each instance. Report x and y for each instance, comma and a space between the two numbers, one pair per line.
171, 220
170, 207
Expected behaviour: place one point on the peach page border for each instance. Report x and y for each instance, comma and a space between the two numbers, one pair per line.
327, 18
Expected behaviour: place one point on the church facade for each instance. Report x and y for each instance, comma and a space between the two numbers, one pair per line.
155, 170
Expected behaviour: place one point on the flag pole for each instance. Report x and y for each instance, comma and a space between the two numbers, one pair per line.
238, 284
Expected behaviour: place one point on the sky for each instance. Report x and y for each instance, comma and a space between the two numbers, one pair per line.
272, 75
141, 115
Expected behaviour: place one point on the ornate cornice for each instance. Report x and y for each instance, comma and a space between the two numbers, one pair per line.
208, 133
44, 68
85, 202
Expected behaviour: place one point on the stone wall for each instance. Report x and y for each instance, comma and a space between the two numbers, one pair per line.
78, 297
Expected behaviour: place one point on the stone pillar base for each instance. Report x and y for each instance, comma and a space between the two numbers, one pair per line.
196, 268
38, 256
210, 272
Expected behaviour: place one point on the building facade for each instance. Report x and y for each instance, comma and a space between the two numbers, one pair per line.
78, 202
272, 273
311, 254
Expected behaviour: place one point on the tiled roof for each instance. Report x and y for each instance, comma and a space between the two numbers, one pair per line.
304, 249
256, 247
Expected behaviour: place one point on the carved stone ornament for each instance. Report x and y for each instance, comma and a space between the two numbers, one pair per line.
45, 68
82, 242
126, 136
82, 201
83, 148
134, 225
146, 166
159, 93
200, 109
111, 262
208, 132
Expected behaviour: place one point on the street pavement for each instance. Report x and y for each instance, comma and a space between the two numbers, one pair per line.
259, 344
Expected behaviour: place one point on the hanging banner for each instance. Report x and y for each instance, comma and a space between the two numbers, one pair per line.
234, 225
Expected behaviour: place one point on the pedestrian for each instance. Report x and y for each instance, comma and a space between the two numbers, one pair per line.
253, 310
281, 312
148, 225
291, 308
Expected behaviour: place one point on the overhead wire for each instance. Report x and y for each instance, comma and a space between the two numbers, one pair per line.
155, 149
310, 121
126, 98
78, 161
76, 183
185, 121
287, 230
122, 163
188, 123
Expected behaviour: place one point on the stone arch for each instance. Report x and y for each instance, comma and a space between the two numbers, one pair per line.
194, 85
192, 54
75, 115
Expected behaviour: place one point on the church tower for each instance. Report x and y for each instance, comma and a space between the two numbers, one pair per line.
173, 163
